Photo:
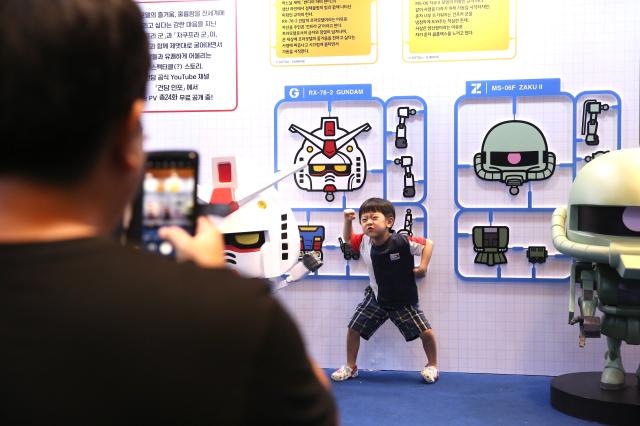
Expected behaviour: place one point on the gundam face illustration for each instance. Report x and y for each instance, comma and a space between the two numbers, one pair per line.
260, 231
335, 161
514, 152
600, 228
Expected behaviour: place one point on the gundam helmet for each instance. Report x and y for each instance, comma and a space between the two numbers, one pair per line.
260, 231
514, 152
261, 237
335, 161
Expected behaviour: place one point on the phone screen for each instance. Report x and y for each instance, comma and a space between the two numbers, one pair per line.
168, 197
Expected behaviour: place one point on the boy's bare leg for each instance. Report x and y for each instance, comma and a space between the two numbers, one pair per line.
353, 346
429, 344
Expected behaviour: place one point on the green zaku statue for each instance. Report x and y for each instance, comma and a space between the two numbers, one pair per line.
600, 228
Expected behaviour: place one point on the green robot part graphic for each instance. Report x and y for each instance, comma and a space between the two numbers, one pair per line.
600, 228
514, 152
490, 243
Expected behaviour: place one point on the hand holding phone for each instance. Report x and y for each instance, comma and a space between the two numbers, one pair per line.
206, 248
167, 198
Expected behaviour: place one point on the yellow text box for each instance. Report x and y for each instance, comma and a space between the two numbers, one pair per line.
317, 28
458, 25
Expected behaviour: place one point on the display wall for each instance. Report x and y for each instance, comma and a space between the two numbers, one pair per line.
258, 80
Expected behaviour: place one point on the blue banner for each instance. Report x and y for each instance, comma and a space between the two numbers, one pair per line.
329, 92
531, 87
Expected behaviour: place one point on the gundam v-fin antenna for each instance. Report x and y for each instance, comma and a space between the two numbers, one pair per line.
352, 134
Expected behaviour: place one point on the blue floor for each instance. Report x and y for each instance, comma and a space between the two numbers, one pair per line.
400, 398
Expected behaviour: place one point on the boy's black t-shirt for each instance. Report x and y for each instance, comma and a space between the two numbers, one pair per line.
390, 267
97, 334
393, 267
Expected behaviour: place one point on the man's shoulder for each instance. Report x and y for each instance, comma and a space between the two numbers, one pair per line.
109, 275
111, 265
155, 269
219, 294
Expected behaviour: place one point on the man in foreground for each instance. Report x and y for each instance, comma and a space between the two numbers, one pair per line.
94, 333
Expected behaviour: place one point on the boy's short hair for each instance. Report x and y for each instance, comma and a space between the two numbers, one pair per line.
71, 70
377, 205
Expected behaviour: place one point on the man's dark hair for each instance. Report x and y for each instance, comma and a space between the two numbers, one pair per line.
377, 205
69, 73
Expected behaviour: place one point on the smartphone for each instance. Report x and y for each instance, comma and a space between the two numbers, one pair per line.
167, 198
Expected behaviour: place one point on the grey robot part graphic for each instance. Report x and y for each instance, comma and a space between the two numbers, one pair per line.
490, 243
514, 152
401, 129
335, 160
347, 250
537, 254
600, 229
407, 229
406, 162
594, 155
590, 111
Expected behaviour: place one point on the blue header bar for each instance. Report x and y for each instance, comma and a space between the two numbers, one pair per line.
532, 87
330, 92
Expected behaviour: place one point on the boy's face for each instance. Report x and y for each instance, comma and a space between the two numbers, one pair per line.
375, 224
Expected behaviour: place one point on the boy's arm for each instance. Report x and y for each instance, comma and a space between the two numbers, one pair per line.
425, 257
347, 231
347, 228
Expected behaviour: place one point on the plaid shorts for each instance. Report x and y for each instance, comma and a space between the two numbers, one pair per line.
369, 316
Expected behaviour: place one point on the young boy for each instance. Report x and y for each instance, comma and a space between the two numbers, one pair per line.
392, 291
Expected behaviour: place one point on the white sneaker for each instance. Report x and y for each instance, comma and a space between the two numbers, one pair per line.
430, 374
343, 373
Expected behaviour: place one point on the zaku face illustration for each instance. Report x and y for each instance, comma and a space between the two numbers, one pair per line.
600, 228
335, 161
260, 232
514, 152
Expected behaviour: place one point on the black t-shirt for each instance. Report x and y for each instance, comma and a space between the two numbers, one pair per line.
94, 333
393, 267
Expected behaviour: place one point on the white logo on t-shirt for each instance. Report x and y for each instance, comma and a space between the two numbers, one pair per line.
394, 256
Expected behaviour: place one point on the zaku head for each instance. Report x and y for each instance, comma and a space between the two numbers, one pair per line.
601, 224
514, 152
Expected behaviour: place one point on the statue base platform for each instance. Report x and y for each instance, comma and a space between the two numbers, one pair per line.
579, 395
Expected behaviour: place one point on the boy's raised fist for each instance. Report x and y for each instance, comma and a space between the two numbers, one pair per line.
349, 214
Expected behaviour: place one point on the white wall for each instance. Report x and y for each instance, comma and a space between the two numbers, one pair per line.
481, 327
